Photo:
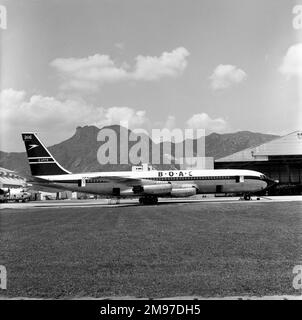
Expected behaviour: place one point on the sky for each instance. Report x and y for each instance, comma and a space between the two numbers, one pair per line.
218, 65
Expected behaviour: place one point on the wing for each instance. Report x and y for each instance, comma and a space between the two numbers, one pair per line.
44, 183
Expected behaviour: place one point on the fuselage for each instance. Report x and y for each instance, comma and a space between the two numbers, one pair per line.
162, 182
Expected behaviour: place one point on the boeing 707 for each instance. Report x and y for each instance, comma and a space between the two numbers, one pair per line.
148, 186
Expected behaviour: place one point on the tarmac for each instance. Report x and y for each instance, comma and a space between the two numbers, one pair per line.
69, 203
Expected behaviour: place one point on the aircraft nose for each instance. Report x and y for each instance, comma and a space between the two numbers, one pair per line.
270, 182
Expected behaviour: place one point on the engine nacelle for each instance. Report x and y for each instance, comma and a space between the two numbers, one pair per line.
153, 189
157, 189
183, 192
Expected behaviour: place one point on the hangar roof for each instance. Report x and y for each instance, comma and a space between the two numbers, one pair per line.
288, 145
10, 179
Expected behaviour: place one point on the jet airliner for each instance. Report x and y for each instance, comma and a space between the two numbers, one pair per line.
148, 186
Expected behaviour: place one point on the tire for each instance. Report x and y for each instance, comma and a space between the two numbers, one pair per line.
155, 200
148, 200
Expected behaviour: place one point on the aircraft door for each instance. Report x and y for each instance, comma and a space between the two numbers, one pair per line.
239, 179
82, 182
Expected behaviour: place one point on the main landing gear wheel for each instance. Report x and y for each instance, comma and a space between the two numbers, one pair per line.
247, 197
148, 200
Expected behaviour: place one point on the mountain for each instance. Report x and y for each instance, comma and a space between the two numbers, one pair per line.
79, 153
221, 145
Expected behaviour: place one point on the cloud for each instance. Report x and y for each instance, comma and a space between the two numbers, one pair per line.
204, 121
124, 116
225, 75
58, 118
41, 114
91, 72
37, 110
88, 73
169, 64
170, 123
292, 62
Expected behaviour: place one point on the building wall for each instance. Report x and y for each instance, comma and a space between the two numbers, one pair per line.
197, 163
288, 170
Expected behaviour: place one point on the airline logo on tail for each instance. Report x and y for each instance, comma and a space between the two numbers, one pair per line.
32, 146
40, 160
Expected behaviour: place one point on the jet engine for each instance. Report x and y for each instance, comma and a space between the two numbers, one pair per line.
157, 189
183, 192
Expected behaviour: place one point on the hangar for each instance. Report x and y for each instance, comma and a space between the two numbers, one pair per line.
280, 159
9, 179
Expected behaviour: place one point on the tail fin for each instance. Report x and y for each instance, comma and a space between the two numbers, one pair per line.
41, 162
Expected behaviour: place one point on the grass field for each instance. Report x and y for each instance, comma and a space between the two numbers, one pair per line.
204, 249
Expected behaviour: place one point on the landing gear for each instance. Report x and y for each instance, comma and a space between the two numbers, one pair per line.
247, 197
148, 200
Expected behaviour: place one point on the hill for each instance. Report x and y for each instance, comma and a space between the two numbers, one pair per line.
79, 152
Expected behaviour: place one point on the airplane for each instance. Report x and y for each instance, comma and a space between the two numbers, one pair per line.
148, 186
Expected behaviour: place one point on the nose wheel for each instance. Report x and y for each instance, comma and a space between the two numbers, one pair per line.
148, 200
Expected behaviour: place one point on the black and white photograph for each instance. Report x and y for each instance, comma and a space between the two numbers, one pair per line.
150, 151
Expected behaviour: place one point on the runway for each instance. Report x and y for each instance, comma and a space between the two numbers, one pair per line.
134, 202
